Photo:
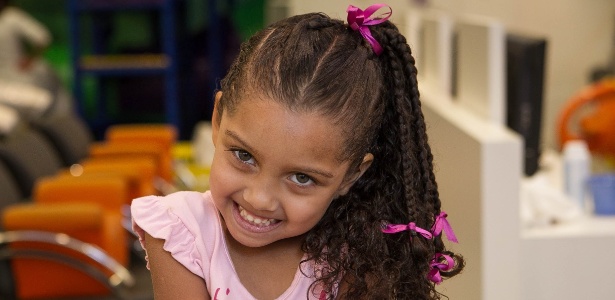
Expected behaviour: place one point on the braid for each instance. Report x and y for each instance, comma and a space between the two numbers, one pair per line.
432, 197
422, 208
405, 117
402, 93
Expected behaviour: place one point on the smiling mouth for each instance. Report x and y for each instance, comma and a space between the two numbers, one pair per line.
254, 220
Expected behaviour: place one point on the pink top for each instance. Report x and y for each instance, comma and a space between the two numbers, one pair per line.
190, 225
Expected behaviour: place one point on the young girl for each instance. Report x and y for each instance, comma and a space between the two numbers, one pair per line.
322, 185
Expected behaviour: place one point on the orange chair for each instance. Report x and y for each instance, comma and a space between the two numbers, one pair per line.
74, 143
139, 171
116, 150
597, 125
87, 210
162, 135
109, 192
75, 206
72, 138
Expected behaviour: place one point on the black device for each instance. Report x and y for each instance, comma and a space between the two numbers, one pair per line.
525, 62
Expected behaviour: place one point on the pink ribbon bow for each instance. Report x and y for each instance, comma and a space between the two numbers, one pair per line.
360, 20
438, 265
395, 228
441, 224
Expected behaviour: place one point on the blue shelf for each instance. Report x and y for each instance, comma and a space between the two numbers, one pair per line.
112, 65
125, 65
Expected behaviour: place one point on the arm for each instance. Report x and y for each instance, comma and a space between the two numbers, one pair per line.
342, 289
171, 280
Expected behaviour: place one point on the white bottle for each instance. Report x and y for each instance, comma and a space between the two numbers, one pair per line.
577, 165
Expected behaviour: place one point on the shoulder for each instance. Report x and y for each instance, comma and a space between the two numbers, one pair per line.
186, 221
193, 212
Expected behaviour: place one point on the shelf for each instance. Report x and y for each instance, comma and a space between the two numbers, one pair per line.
98, 63
124, 64
591, 226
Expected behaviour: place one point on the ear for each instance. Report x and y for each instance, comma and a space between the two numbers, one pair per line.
352, 178
215, 120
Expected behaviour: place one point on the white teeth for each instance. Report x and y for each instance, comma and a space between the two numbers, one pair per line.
255, 220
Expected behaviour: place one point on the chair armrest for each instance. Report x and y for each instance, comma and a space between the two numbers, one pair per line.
120, 275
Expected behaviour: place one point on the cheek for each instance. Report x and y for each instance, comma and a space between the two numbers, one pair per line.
218, 180
224, 178
310, 212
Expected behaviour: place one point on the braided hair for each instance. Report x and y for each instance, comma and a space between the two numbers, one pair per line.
311, 62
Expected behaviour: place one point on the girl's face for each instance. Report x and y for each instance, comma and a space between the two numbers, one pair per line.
275, 171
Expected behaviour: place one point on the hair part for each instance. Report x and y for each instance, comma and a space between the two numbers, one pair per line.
312, 63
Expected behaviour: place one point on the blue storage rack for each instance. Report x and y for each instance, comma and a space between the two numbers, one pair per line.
101, 64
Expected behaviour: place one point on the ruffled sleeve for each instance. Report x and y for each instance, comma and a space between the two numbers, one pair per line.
178, 220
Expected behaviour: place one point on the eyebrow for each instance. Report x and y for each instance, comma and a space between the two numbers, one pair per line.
316, 171
247, 147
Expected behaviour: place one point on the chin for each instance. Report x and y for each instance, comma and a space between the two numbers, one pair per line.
251, 242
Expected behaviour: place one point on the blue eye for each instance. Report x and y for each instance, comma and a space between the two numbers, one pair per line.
244, 156
301, 179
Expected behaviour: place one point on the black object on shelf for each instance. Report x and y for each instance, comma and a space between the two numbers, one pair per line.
525, 57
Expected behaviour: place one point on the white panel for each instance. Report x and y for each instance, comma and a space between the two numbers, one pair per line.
435, 69
478, 169
481, 67
412, 32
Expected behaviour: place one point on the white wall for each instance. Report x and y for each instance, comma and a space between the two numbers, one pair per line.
579, 32
337, 8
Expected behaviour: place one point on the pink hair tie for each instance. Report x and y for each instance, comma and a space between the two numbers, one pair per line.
437, 265
360, 20
395, 228
441, 224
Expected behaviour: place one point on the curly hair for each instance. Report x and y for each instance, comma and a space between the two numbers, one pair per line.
315, 63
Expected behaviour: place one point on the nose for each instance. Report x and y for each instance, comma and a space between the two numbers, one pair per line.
261, 195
